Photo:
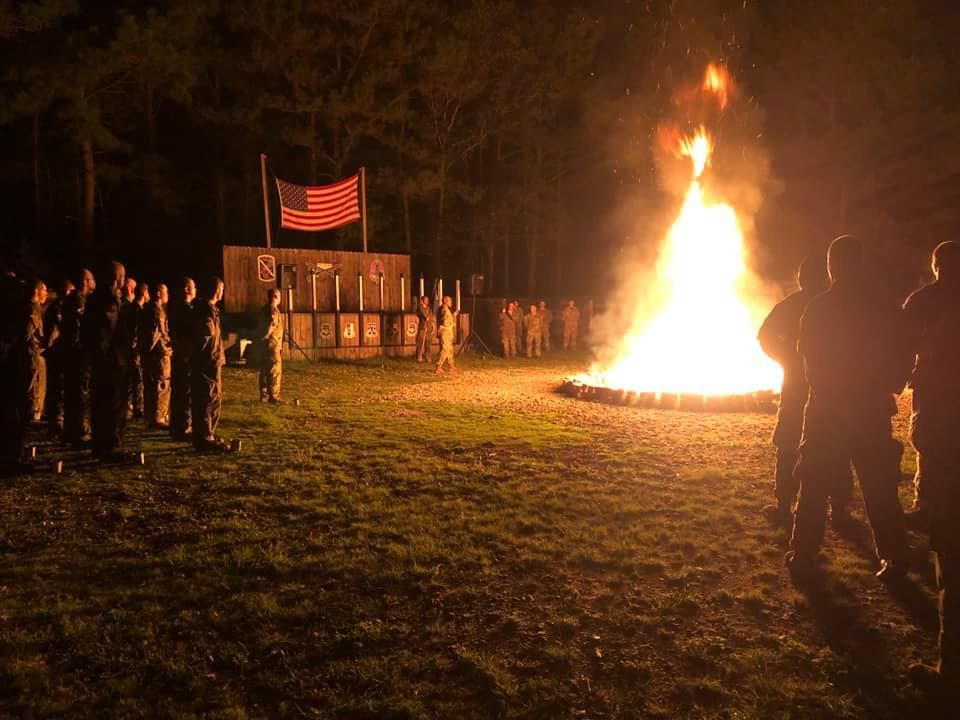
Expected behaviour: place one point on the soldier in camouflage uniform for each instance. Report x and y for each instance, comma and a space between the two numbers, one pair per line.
52, 326
426, 329
36, 343
130, 312
933, 321
518, 316
855, 362
571, 325
778, 338
107, 339
546, 324
76, 391
271, 361
508, 331
446, 335
533, 329
180, 317
206, 366
155, 353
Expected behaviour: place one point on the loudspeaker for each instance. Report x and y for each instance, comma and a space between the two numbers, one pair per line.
476, 284
288, 277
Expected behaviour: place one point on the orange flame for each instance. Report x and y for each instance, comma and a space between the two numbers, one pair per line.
697, 148
717, 81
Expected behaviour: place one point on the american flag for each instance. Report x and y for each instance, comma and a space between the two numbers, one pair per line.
324, 207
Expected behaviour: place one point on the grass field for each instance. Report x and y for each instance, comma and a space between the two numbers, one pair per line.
409, 546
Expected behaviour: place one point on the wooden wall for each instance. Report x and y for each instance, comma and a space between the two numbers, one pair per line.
244, 292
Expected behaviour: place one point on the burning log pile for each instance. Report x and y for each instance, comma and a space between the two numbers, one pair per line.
765, 401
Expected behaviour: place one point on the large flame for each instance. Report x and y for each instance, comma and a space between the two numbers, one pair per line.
701, 336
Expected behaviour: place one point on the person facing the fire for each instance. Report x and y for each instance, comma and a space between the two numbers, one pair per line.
854, 363
445, 333
426, 329
778, 338
533, 329
36, 344
206, 365
155, 353
76, 390
932, 315
546, 324
180, 314
508, 331
571, 325
271, 361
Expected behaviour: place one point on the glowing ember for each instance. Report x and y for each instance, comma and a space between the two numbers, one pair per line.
700, 337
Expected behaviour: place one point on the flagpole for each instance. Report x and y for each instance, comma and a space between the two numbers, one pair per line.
363, 204
266, 202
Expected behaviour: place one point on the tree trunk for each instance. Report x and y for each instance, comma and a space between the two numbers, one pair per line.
558, 260
313, 148
441, 202
407, 230
506, 259
221, 202
89, 189
533, 238
38, 210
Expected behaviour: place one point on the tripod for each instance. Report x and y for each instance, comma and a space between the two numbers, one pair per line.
473, 337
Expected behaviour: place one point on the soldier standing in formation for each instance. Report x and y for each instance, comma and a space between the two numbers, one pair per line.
76, 394
546, 319
426, 329
36, 344
518, 319
931, 315
571, 325
107, 340
180, 317
155, 352
533, 330
206, 365
445, 333
778, 337
854, 366
52, 330
131, 312
271, 368
508, 331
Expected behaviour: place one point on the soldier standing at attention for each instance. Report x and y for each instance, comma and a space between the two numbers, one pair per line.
36, 344
546, 324
518, 316
508, 332
154, 344
206, 366
571, 325
52, 326
131, 313
180, 316
76, 361
854, 365
933, 321
447, 324
426, 329
533, 329
778, 339
106, 341
271, 368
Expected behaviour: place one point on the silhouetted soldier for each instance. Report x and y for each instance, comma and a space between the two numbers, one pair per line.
426, 329
154, 347
518, 319
55, 356
106, 338
933, 322
533, 330
76, 376
546, 325
446, 335
130, 313
206, 364
36, 344
14, 373
271, 356
180, 317
778, 337
854, 365
571, 325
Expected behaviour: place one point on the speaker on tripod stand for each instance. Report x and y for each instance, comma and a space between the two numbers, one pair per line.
475, 287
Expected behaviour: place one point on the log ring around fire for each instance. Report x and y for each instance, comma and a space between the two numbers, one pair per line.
764, 401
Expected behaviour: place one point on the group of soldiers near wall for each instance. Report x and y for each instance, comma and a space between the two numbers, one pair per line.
109, 349
845, 355
532, 330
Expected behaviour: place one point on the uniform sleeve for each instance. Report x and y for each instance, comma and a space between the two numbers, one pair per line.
772, 337
208, 346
